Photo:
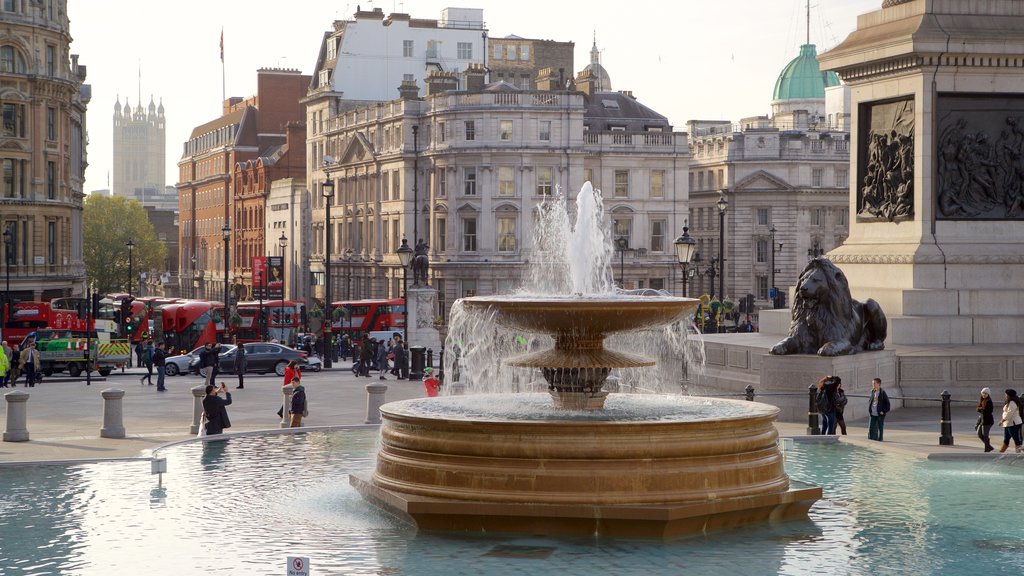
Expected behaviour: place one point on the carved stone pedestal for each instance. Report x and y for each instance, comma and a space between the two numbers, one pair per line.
422, 310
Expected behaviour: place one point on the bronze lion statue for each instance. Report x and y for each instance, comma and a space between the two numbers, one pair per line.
827, 321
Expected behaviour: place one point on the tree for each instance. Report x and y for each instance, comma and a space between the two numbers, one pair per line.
110, 222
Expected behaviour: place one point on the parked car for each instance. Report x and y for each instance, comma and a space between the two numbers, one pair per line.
262, 358
179, 364
193, 365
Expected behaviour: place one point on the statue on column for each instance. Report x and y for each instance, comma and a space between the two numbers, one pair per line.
420, 263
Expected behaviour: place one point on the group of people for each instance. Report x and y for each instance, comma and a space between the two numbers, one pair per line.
831, 402
215, 414
15, 361
1011, 421
152, 355
378, 355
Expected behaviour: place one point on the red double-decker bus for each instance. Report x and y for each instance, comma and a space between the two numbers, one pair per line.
25, 318
283, 320
361, 316
198, 323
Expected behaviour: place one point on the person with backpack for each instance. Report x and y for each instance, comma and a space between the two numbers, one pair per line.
826, 402
147, 360
160, 361
1013, 419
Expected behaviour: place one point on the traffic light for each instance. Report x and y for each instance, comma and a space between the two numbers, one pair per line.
96, 298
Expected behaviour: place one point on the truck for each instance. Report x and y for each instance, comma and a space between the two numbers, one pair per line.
61, 350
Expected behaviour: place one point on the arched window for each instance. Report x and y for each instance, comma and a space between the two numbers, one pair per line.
11, 61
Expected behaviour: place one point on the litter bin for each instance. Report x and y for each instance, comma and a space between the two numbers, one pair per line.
418, 358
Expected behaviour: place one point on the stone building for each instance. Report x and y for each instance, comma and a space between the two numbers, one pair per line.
42, 150
225, 172
140, 152
788, 172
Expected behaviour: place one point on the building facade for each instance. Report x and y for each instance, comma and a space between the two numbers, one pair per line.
785, 178
42, 151
140, 152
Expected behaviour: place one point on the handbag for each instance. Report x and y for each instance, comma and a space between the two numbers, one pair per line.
977, 425
202, 427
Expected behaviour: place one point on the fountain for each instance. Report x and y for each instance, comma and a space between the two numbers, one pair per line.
579, 460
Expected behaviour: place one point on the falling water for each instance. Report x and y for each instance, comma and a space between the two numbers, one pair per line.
569, 257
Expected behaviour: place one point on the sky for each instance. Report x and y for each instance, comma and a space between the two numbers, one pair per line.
687, 59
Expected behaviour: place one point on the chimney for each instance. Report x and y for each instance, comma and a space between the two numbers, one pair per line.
439, 82
548, 80
409, 90
473, 78
586, 83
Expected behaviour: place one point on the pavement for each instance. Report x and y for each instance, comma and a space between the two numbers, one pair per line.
65, 416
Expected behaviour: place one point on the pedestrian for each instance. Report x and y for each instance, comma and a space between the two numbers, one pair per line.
147, 360
210, 360
8, 358
15, 366
840, 405
5, 368
826, 402
298, 408
365, 356
430, 382
30, 363
138, 354
382, 359
878, 407
291, 372
160, 361
985, 418
1013, 416
401, 358
240, 365
213, 409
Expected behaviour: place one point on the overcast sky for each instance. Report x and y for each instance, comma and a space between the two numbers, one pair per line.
688, 59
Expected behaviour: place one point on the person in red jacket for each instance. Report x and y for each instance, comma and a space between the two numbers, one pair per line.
292, 372
430, 382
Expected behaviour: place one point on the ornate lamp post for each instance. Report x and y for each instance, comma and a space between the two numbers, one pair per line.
685, 249
283, 243
405, 257
8, 253
622, 244
131, 245
775, 291
415, 187
328, 192
723, 205
226, 231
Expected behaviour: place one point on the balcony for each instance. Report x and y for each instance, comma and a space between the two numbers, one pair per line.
637, 141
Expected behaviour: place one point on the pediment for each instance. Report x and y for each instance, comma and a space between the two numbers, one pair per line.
762, 181
357, 151
14, 145
468, 207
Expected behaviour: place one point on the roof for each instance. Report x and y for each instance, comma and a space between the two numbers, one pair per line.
802, 78
607, 109
225, 120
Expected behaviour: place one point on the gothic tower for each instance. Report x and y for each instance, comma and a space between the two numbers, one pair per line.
139, 151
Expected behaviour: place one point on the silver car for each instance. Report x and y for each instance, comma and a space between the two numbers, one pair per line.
179, 365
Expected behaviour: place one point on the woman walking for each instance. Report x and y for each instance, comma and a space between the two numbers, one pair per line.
841, 402
1013, 416
985, 419
292, 372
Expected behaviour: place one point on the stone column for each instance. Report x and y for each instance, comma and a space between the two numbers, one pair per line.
17, 416
374, 400
286, 403
113, 414
198, 393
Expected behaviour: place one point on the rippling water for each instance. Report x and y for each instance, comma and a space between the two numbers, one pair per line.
242, 506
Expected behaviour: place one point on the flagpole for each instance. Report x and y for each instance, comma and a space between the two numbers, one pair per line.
223, 81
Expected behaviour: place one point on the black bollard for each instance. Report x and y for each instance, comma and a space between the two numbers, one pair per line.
946, 426
749, 390
430, 357
812, 411
440, 364
417, 353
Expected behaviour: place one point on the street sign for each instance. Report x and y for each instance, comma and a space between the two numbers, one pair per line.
298, 566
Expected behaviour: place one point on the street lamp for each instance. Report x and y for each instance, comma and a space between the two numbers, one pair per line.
283, 243
622, 244
775, 291
8, 252
226, 231
405, 257
415, 187
348, 274
723, 205
131, 245
685, 247
327, 189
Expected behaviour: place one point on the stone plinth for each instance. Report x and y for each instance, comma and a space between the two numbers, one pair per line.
113, 414
422, 307
17, 416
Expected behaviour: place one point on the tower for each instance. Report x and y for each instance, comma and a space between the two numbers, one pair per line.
140, 146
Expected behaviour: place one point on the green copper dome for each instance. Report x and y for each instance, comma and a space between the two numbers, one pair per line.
803, 78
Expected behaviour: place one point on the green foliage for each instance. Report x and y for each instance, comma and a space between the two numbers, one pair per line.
109, 223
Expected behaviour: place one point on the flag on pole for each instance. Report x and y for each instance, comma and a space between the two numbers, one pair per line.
222, 45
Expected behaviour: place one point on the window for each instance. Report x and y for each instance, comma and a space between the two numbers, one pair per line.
465, 50
12, 178
622, 183
469, 181
761, 250
524, 52
544, 132
396, 235
441, 132
700, 181
396, 186
51, 180
841, 217
658, 235
657, 183
842, 178
623, 228
51, 243
468, 288
386, 187
498, 51
506, 234
817, 146
11, 61
842, 145
10, 249
815, 216
469, 234
544, 181
407, 48
51, 60
711, 179
510, 52
762, 216
470, 130
506, 181
505, 128
442, 182
432, 49
9, 5
14, 120
816, 178
441, 234
762, 287
51, 123
588, 176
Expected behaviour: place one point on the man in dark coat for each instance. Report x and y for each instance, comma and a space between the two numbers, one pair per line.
160, 361
211, 361
401, 358
213, 408
365, 356
878, 407
240, 366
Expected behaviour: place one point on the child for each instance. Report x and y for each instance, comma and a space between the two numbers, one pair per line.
430, 382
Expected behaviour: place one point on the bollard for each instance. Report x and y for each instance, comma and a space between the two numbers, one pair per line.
113, 413
374, 400
198, 393
416, 354
17, 416
749, 391
813, 429
430, 357
286, 404
946, 424
440, 365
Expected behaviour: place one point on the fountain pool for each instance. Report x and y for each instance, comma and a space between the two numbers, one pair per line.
242, 506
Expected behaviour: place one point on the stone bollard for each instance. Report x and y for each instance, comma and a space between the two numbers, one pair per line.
374, 400
198, 393
813, 429
17, 416
286, 404
113, 414
749, 392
